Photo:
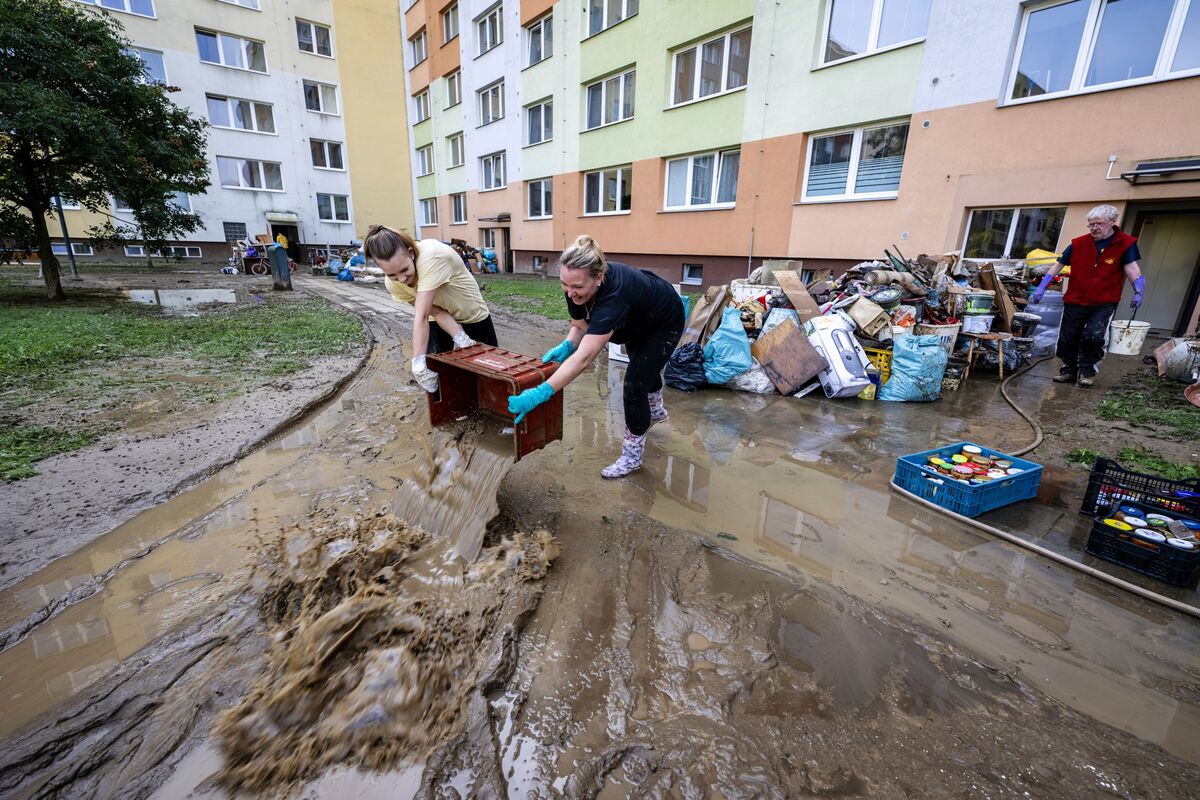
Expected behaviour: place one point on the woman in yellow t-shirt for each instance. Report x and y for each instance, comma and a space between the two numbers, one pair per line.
432, 278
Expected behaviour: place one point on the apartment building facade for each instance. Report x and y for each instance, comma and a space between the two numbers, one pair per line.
700, 139
306, 108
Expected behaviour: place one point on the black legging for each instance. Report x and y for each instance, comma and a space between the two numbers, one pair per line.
442, 342
647, 358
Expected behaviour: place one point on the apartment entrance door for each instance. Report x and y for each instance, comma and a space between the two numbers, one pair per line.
1170, 246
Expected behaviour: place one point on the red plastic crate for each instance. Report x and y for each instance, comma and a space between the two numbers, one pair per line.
482, 377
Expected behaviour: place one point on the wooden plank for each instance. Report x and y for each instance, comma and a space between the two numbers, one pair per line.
1004, 303
793, 287
787, 357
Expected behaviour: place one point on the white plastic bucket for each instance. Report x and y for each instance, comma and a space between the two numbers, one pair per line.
977, 323
1125, 336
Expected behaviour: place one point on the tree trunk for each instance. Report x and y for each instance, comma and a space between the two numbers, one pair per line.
50, 272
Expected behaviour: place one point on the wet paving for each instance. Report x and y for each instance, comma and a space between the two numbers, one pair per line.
754, 613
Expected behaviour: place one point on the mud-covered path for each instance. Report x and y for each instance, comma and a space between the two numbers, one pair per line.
753, 614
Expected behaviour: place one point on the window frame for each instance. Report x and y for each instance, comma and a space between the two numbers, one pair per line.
128, 8
421, 110
196, 30
1012, 227
718, 162
67, 205
450, 11
493, 14
59, 248
497, 87
603, 84
424, 158
686, 279
545, 34
502, 171
454, 79
852, 168
1168, 51
871, 47
418, 37
461, 148
546, 110
547, 194
458, 199
304, 82
620, 170
313, 37
605, 23
139, 51
698, 47
243, 4
326, 148
333, 208
229, 110
427, 203
262, 174
225, 231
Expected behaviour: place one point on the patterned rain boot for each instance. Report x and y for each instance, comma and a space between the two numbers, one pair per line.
658, 411
632, 450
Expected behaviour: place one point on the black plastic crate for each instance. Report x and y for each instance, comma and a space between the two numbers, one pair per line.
1109, 483
1160, 561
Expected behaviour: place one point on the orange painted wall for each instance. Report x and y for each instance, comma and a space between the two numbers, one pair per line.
421, 15
445, 56
532, 9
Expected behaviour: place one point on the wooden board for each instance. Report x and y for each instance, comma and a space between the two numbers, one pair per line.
1004, 303
793, 287
787, 357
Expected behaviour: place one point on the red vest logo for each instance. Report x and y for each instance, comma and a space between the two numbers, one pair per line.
1110, 261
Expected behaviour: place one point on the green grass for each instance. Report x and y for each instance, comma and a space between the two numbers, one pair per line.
1139, 459
1082, 455
21, 446
1149, 401
526, 294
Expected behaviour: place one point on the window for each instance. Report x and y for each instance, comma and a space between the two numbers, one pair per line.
425, 160
120, 206
705, 180
314, 38
243, 3
487, 237
606, 13
723, 65
421, 107
231, 51
491, 104
610, 100
541, 40
78, 248
173, 251
143, 8
454, 148
1080, 44
859, 164
491, 170
453, 88
607, 191
539, 123
693, 274
540, 194
182, 201
418, 50
154, 69
241, 173
239, 114
326, 154
235, 231
320, 97
858, 27
450, 23
333, 208
66, 203
1012, 232
429, 211
491, 29
458, 208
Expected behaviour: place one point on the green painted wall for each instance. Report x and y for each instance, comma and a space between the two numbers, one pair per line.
557, 77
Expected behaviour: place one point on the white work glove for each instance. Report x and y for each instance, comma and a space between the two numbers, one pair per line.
461, 340
426, 378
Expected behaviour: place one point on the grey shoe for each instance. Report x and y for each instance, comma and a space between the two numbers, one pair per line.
1085, 380
1065, 377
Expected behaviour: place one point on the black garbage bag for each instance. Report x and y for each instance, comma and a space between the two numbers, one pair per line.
989, 360
685, 368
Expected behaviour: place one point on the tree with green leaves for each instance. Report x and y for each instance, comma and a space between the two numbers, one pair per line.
79, 119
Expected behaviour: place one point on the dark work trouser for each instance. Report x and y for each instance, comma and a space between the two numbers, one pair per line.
1082, 336
647, 358
442, 342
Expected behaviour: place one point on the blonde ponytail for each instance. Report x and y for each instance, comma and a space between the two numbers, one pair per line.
584, 253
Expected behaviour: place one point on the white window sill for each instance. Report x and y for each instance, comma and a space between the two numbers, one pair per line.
685, 209
334, 221
242, 130
318, 55
1107, 87
539, 219
713, 96
236, 69
464, 222
493, 189
122, 11
842, 198
605, 214
329, 169
323, 113
607, 125
535, 144
861, 56
239, 5
691, 282
428, 225
252, 189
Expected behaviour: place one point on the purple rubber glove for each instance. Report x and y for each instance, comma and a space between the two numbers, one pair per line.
521, 404
1139, 292
1036, 295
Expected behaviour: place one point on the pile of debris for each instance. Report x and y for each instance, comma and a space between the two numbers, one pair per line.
898, 328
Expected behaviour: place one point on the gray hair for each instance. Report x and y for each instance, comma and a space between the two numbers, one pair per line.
1104, 211
584, 253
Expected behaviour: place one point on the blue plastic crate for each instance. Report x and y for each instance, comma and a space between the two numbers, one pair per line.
914, 475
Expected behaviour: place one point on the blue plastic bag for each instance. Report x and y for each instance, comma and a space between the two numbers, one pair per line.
917, 366
356, 260
727, 353
345, 275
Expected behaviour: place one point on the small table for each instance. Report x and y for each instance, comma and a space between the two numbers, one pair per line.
999, 338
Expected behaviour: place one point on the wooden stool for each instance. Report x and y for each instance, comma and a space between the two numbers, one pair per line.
999, 338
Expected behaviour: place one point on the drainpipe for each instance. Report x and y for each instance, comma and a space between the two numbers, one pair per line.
750, 255
62, 221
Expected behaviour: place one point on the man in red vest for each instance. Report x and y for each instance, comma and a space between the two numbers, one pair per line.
1101, 261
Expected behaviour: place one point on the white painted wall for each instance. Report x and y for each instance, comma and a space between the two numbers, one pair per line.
968, 52
503, 61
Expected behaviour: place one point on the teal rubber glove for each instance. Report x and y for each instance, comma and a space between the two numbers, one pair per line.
560, 353
521, 404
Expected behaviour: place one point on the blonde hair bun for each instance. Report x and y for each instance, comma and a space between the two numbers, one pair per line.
584, 253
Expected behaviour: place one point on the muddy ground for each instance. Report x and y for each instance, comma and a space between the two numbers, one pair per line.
753, 614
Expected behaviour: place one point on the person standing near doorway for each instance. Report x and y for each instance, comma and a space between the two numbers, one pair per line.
448, 307
610, 301
1101, 261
